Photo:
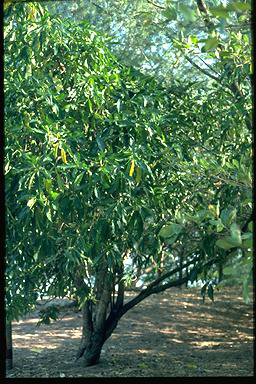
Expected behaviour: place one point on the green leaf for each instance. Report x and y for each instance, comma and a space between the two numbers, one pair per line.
96, 192
146, 212
220, 11
228, 215
118, 105
78, 179
90, 106
31, 180
48, 214
169, 230
187, 12
60, 182
100, 143
138, 174
250, 226
235, 233
48, 185
170, 240
228, 243
138, 225
170, 13
211, 43
239, 7
247, 242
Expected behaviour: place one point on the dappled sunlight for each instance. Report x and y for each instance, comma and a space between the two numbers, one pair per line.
177, 341
27, 321
147, 336
39, 347
24, 337
203, 344
144, 351
168, 331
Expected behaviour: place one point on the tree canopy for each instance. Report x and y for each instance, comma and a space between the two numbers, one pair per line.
111, 172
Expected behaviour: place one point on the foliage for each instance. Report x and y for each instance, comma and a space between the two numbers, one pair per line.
150, 34
109, 172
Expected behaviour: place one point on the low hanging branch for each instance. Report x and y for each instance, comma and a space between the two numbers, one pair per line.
152, 288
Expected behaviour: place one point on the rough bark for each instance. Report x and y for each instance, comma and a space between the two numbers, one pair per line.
94, 318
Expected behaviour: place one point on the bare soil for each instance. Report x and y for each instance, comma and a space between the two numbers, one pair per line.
172, 334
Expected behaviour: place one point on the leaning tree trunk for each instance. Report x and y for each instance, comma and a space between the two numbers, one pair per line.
8, 342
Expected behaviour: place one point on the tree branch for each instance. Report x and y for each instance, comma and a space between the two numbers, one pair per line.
150, 289
202, 69
212, 69
155, 5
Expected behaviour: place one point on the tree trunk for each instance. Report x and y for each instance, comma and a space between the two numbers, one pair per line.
8, 342
94, 318
187, 276
181, 265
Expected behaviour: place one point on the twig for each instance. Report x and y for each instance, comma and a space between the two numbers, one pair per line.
212, 69
155, 5
202, 69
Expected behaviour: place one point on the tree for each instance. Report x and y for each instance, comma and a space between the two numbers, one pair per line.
104, 164
149, 33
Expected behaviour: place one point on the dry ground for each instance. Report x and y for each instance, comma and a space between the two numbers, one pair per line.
170, 335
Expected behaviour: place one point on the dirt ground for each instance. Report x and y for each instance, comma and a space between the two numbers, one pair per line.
172, 334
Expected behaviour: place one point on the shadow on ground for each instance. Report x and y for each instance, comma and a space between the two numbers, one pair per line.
167, 335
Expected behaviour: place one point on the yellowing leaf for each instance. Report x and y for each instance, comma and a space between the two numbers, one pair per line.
132, 168
56, 147
63, 156
6, 4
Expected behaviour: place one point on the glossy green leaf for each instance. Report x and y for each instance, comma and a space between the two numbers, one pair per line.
228, 242
170, 229
228, 215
